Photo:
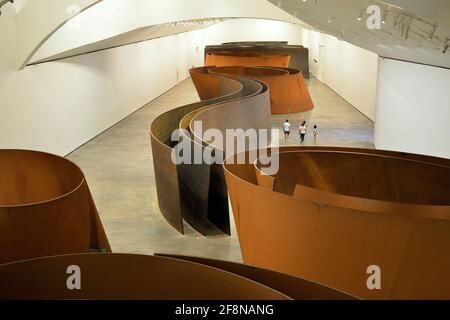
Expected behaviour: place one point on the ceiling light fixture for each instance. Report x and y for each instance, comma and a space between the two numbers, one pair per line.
385, 17
432, 33
446, 45
408, 24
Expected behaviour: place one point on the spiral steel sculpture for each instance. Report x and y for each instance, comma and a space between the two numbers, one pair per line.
329, 215
197, 193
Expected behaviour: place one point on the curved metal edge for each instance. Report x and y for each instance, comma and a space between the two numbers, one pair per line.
341, 242
196, 194
299, 54
294, 287
135, 277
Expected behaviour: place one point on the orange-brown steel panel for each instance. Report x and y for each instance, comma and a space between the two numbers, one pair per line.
294, 287
248, 60
126, 277
299, 55
390, 220
288, 90
45, 207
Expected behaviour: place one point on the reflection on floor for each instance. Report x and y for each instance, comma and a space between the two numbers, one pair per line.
119, 170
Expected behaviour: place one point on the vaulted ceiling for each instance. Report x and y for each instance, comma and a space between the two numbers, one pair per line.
411, 30
112, 23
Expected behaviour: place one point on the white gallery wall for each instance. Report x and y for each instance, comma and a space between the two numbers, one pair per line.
413, 108
58, 106
350, 71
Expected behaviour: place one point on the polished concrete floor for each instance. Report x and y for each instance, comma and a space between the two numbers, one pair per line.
119, 170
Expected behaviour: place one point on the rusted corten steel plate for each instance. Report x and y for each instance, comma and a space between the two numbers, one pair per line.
166, 171
196, 193
299, 55
255, 43
288, 90
46, 208
247, 59
203, 185
213, 87
294, 287
331, 213
125, 277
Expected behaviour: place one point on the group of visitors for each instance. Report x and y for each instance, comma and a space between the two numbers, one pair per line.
303, 131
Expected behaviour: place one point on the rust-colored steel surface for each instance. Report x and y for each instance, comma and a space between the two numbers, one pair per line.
196, 192
288, 90
213, 87
167, 173
331, 213
294, 287
45, 208
299, 55
247, 59
255, 43
125, 277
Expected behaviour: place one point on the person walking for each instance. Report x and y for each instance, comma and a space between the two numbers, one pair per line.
286, 130
303, 130
316, 132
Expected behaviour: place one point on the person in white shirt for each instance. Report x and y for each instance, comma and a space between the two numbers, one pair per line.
316, 132
286, 130
303, 130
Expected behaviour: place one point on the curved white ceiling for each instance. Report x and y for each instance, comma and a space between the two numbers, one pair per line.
37, 20
112, 23
414, 30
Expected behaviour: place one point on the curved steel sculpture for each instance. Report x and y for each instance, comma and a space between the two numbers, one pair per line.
288, 91
299, 55
332, 213
126, 277
45, 208
293, 287
225, 59
197, 192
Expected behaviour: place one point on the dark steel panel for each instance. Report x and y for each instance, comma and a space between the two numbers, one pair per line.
126, 277
205, 205
197, 193
166, 172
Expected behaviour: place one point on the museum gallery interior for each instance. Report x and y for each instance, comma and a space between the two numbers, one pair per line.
225, 149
